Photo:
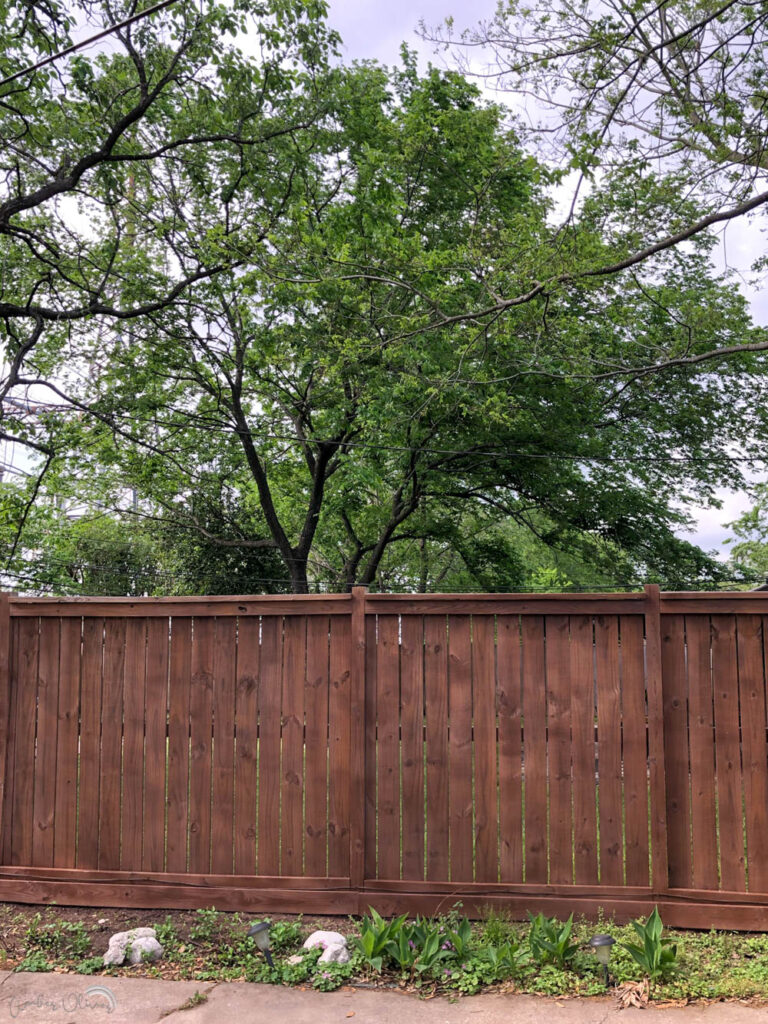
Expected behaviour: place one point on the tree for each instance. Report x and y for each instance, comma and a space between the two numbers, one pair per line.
169, 103
631, 96
750, 551
335, 384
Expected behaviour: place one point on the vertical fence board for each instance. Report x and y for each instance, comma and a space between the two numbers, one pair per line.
388, 745
535, 748
316, 710
634, 724
582, 703
223, 789
609, 748
412, 726
754, 748
460, 747
65, 816
676, 751
292, 780
111, 744
436, 702
559, 749
371, 658
339, 738
484, 715
246, 744
90, 740
702, 741
200, 720
45, 761
6, 762
270, 700
728, 760
156, 702
132, 829
510, 749
27, 649
179, 675
13, 696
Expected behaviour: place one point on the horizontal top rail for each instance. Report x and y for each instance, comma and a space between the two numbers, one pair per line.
672, 602
162, 607
717, 602
506, 604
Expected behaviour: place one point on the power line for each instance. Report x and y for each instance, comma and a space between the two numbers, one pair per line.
86, 42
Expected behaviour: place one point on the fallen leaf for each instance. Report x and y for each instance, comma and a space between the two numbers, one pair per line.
351, 1013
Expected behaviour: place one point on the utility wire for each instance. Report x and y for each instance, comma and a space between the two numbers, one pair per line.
86, 42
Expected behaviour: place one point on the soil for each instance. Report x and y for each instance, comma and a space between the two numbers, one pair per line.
102, 923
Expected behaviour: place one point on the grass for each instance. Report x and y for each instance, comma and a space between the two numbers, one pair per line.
210, 946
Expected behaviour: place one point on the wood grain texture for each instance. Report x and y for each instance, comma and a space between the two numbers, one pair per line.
634, 739
752, 686
582, 704
65, 815
371, 658
388, 746
725, 690
436, 717
90, 744
292, 736
316, 712
155, 748
460, 748
676, 750
135, 674
223, 764
111, 767
559, 748
486, 778
45, 743
704, 873
200, 754
535, 750
654, 685
270, 702
340, 740
609, 729
412, 751
246, 744
509, 664
179, 677
6, 768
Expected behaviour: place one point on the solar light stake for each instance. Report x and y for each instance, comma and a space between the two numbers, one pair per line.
260, 934
602, 947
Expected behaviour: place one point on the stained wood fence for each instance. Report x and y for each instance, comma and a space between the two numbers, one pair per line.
324, 754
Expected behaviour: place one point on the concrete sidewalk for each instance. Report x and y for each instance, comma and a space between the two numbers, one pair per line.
70, 998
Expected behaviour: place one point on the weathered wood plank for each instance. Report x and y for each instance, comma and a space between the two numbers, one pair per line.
246, 751
316, 711
388, 746
460, 748
111, 742
179, 678
412, 726
609, 724
436, 703
45, 761
486, 780
223, 773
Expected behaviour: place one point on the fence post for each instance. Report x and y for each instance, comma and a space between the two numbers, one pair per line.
656, 764
357, 741
5, 695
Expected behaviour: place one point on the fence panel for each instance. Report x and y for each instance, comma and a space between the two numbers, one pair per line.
548, 752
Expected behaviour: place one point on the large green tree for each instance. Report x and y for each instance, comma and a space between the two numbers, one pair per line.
335, 383
633, 91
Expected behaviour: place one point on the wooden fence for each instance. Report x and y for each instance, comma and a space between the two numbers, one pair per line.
324, 754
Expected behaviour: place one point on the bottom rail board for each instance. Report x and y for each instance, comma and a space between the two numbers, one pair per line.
677, 912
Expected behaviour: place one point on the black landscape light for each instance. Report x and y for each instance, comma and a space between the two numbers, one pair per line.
260, 934
602, 947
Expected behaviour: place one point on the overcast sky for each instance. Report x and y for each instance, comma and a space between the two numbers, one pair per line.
371, 29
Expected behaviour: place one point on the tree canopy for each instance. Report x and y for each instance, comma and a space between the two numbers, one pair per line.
289, 354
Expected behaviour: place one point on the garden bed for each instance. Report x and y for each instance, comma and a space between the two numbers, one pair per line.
444, 956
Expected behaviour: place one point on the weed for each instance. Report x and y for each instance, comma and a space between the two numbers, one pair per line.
550, 940
62, 938
36, 962
655, 954
91, 965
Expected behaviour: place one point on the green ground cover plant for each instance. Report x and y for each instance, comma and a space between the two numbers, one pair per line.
446, 954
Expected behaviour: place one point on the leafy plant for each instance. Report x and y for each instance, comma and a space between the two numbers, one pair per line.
375, 937
35, 962
655, 954
506, 959
420, 947
550, 940
64, 938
